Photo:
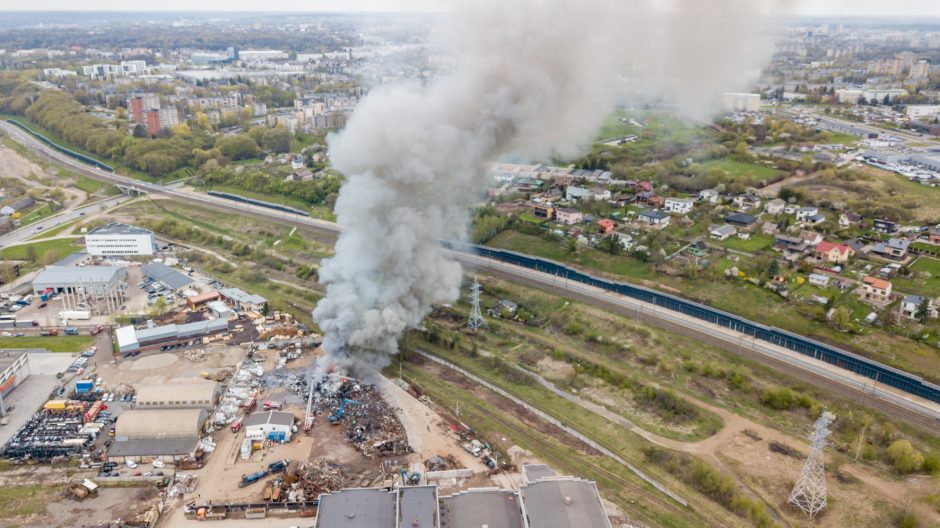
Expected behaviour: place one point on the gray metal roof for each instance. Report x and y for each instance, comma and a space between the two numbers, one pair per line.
270, 417
564, 503
61, 276
157, 333
241, 296
7, 358
119, 229
417, 506
160, 272
357, 508
154, 447
485, 507
535, 472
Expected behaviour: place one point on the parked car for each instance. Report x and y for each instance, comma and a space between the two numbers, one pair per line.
158, 463
131, 464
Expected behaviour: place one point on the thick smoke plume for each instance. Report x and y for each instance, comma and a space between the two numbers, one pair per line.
534, 78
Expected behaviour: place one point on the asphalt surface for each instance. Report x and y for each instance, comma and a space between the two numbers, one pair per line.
912, 409
35, 229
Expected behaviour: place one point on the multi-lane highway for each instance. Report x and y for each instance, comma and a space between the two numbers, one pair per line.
914, 410
36, 228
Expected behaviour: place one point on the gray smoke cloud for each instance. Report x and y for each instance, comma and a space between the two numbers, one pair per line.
534, 78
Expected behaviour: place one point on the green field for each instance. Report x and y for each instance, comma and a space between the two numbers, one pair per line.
757, 242
91, 186
16, 501
62, 343
315, 211
927, 280
37, 214
63, 246
750, 172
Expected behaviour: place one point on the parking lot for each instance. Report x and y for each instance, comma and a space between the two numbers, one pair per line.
32, 393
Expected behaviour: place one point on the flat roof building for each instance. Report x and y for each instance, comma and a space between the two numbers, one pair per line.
97, 279
564, 502
242, 300
269, 425
14, 369
120, 239
169, 277
473, 508
130, 339
196, 394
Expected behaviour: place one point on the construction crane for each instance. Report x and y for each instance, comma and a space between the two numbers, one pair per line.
410, 479
334, 419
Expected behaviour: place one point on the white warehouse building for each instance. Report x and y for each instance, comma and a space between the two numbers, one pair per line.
276, 426
120, 239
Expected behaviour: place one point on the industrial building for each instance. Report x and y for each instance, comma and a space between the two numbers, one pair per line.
166, 434
101, 287
269, 425
14, 369
242, 300
167, 276
120, 239
131, 339
220, 310
197, 394
549, 501
742, 102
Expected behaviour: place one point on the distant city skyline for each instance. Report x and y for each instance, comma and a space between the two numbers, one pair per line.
848, 8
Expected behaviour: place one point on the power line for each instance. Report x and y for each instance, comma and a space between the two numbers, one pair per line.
476, 321
809, 493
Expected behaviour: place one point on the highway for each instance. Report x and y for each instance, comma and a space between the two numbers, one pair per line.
912, 409
36, 228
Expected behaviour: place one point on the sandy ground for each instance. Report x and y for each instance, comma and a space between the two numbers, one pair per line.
12, 164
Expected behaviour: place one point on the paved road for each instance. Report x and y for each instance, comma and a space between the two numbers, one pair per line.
25, 233
915, 410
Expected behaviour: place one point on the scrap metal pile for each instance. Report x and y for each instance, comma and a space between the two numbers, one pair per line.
307, 480
243, 387
369, 423
441, 463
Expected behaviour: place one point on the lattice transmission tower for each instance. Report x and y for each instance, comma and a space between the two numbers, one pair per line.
476, 320
809, 493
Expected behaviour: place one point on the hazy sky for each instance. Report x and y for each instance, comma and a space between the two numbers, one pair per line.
805, 7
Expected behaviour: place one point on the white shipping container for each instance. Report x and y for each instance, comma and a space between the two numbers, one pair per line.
75, 315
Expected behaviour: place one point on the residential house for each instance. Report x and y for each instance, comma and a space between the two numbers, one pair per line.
740, 220
746, 201
563, 180
650, 198
708, 195
568, 216
653, 217
885, 227
627, 242
836, 253
775, 206
600, 193
543, 211
643, 186
529, 184
605, 226
804, 213
910, 306
849, 219
791, 247
893, 249
576, 193
875, 290
933, 235
699, 249
552, 194
811, 238
723, 232
815, 219
677, 205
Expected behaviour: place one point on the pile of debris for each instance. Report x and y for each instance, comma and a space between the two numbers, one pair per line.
441, 463
370, 424
280, 332
195, 355
307, 480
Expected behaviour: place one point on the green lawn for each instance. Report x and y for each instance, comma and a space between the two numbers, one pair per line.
921, 284
847, 140
61, 343
315, 211
91, 186
63, 246
757, 242
751, 172
37, 214
54, 231
928, 265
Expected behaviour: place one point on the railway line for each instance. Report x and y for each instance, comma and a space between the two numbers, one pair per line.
914, 410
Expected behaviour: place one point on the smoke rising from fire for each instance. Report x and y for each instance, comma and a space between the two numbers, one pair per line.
534, 78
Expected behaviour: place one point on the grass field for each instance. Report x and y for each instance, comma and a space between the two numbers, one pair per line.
62, 343
757, 242
91, 186
922, 283
37, 214
315, 211
17, 501
63, 246
750, 172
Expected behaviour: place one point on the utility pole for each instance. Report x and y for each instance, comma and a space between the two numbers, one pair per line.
476, 321
809, 493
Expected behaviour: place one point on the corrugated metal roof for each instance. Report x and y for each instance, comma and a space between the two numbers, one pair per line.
76, 275
160, 272
143, 424
154, 447
168, 393
149, 335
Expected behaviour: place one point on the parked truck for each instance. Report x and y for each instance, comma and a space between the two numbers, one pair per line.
251, 478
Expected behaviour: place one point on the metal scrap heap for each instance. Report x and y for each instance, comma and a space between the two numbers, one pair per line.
307, 480
369, 424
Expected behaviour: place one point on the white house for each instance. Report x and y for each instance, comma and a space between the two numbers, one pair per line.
576, 193
910, 305
775, 206
804, 213
708, 195
723, 232
600, 193
120, 239
677, 205
626, 241
276, 426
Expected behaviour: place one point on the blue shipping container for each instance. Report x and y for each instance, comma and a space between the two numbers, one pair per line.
277, 436
84, 386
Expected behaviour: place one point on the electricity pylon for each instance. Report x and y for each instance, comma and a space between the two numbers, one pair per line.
476, 321
809, 493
